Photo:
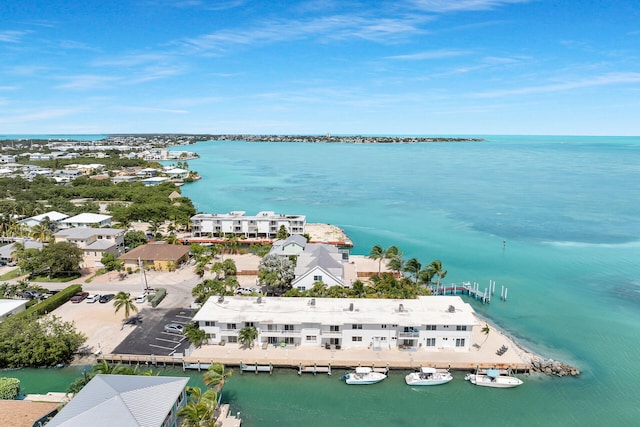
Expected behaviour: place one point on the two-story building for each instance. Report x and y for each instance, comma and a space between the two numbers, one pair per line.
428, 323
94, 242
263, 225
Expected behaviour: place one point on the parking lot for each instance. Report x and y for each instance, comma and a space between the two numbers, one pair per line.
149, 336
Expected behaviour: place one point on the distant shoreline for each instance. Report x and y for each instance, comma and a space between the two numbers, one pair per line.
352, 139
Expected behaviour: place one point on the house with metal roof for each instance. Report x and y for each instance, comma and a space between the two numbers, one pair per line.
37, 219
86, 220
125, 401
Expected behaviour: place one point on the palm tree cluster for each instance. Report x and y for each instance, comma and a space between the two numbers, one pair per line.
395, 262
201, 408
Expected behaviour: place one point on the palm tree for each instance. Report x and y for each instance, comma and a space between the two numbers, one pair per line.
377, 253
485, 330
436, 267
396, 264
216, 375
200, 411
413, 266
124, 300
247, 336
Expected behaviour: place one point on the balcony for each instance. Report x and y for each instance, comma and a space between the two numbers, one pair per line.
280, 333
408, 334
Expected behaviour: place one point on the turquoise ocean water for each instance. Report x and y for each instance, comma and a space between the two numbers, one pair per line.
569, 211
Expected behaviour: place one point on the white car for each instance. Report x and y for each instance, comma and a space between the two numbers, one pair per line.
141, 298
93, 298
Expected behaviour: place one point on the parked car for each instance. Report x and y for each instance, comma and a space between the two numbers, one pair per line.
245, 291
93, 298
79, 297
106, 298
30, 294
49, 294
174, 328
141, 298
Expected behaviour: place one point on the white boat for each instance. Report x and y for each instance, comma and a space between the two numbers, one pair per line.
364, 375
428, 376
492, 378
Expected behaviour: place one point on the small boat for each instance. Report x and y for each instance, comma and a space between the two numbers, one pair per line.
364, 375
493, 378
428, 376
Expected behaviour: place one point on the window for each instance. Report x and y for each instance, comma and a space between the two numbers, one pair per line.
311, 338
232, 339
302, 288
431, 342
356, 326
431, 327
461, 328
394, 326
334, 328
272, 328
459, 342
231, 326
209, 323
288, 327
356, 339
249, 324
317, 278
383, 326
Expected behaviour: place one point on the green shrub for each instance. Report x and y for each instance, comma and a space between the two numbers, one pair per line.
159, 296
53, 302
9, 388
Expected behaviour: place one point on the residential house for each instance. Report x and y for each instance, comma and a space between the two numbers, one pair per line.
53, 216
7, 158
7, 251
125, 401
86, 220
94, 242
263, 225
156, 180
427, 323
159, 256
317, 262
176, 173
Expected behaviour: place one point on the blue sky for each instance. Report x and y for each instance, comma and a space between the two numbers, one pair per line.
422, 67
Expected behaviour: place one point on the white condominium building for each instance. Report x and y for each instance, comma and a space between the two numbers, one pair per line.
429, 323
263, 225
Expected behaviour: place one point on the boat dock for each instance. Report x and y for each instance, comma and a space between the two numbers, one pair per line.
256, 368
471, 290
315, 369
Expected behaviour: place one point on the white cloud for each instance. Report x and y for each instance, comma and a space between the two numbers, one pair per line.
12, 36
152, 110
603, 80
87, 81
431, 54
444, 6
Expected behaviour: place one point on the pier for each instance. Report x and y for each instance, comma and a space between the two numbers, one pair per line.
315, 369
470, 289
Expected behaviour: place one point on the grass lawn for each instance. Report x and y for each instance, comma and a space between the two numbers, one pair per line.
62, 279
11, 274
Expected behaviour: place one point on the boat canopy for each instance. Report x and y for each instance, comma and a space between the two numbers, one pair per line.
427, 370
362, 370
493, 373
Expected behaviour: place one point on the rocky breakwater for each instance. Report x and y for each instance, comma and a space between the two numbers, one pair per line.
552, 367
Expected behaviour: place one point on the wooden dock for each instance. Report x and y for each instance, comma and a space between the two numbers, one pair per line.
256, 368
470, 289
315, 369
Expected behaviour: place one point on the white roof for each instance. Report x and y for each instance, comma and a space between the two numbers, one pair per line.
87, 218
53, 216
427, 310
8, 305
123, 401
